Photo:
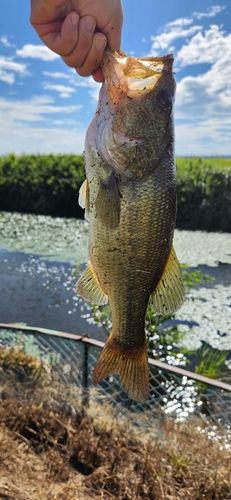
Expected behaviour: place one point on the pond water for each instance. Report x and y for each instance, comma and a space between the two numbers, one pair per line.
39, 253
37, 257
52, 238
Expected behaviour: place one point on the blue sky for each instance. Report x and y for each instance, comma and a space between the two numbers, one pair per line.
45, 107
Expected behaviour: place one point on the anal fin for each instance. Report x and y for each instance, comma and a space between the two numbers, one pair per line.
131, 366
169, 293
89, 289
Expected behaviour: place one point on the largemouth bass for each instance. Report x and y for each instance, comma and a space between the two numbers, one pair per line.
129, 198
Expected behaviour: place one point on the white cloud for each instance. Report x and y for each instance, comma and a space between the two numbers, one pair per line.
9, 64
87, 82
6, 42
205, 137
171, 33
211, 11
76, 81
181, 28
19, 135
63, 90
203, 98
92, 85
33, 110
181, 21
57, 74
208, 92
7, 77
37, 52
8, 68
41, 140
84, 82
205, 48
203, 103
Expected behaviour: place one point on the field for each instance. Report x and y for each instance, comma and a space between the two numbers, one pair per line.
184, 164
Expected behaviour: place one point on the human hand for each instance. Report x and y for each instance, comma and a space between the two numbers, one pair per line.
79, 30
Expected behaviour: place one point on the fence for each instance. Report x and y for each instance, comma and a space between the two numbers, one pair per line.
174, 392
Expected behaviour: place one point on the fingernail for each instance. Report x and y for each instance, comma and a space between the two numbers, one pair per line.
100, 42
74, 19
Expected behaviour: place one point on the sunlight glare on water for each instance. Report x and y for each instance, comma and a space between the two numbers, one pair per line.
38, 256
54, 238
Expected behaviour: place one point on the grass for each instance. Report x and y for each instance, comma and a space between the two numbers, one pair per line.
185, 164
63, 451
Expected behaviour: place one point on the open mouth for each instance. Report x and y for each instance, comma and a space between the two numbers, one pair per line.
138, 84
132, 75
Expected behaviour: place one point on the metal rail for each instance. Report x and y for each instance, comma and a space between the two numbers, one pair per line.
92, 342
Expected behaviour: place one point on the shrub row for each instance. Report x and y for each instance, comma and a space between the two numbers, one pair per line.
49, 185
40, 184
204, 194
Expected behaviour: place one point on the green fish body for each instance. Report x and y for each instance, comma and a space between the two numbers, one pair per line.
129, 198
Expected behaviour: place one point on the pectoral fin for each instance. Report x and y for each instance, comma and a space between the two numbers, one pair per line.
89, 289
169, 293
108, 202
84, 198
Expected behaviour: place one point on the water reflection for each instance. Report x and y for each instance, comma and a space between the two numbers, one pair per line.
43, 293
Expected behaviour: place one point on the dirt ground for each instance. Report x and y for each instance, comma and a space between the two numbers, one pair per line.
51, 448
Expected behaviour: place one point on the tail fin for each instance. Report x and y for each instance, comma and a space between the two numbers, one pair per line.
131, 366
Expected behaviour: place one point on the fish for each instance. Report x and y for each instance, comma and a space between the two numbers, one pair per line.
129, 197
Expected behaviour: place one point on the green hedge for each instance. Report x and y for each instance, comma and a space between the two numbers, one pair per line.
49, 185
204, 194
46, 184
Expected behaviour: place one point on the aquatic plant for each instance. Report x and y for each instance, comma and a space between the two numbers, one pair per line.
160, 338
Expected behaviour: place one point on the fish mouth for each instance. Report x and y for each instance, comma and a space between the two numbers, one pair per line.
134, 111
132, 76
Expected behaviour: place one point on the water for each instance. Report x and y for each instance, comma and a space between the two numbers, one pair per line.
39, 253
52, 238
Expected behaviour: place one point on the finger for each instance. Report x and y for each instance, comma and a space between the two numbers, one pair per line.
52, 28
113, 28
45, 11
86, 29
98, 75
61, 36
94, 56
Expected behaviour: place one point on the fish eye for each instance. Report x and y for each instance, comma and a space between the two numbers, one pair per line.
164, 100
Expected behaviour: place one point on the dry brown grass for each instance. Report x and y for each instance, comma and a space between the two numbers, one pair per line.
51, 448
